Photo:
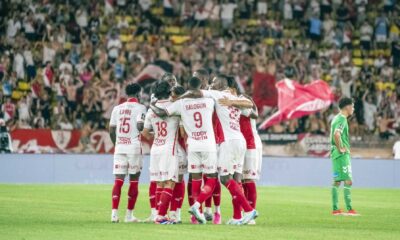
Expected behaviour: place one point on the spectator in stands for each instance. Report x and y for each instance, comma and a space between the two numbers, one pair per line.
227, 13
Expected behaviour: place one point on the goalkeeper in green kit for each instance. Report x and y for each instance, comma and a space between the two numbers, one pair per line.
340, 156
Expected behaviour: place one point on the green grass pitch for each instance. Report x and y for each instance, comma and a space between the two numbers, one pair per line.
75, 212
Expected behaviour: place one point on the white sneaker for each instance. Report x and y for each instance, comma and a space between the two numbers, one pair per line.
195, 211
150, 219
234, 222
252, 222
248, 216
114, 216
129, 218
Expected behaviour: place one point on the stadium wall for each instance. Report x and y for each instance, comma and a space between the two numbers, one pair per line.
97, 169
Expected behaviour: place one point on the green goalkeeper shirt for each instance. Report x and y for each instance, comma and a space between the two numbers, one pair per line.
339, 123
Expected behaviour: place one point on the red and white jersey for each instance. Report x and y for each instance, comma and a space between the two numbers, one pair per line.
228, 116
248, 127
125, 118
196, 117
165, 130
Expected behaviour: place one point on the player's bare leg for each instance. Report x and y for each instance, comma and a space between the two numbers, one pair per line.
116, 195
133, 193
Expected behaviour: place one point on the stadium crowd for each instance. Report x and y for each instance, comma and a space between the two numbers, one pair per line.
64, 64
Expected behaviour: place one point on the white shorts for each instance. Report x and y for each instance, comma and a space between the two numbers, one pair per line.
163, 167
127, 163
202, 162
252, 164
231, 157
183, 162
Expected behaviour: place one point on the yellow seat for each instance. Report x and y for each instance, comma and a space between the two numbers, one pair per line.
356, 43
172, 30
358, 62
269, 41
357, 53
178, 40
370, 61
67, 46
17, 95
126, 38
387, 53
252, 22
24, 86
157, 11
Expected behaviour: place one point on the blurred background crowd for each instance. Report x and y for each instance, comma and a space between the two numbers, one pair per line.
64, 64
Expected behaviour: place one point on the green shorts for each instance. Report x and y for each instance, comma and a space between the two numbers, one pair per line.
342, 168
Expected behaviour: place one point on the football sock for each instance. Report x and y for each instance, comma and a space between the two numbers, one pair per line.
217, 193
251, 190
116, 192
237, 209
207, 190
347, 196
189, 192
164, 201
159, 191
176, 196
182, 194
335, 197
132, 194
152, 194
236, 192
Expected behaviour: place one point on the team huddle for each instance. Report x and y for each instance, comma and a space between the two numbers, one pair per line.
208, 131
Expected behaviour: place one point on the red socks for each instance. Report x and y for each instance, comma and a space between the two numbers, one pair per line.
116, 192
182, 194
196, 188
237, 208
152, 194
217, 193
177, 196
159, 191
251, 190
237, 195
132, 194
164, 201
189, 191
207, 190
208, 201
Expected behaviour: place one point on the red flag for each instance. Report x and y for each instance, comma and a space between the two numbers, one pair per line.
264, 91
151, 71
296, 100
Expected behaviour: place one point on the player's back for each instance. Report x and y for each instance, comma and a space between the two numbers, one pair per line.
196, 115
165, 130
229, 117
125, 117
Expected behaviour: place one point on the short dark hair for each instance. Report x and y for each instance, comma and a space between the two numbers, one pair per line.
162, 90
132, 89
178, 90
194, 82
203, 73
167, 76
344, 102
